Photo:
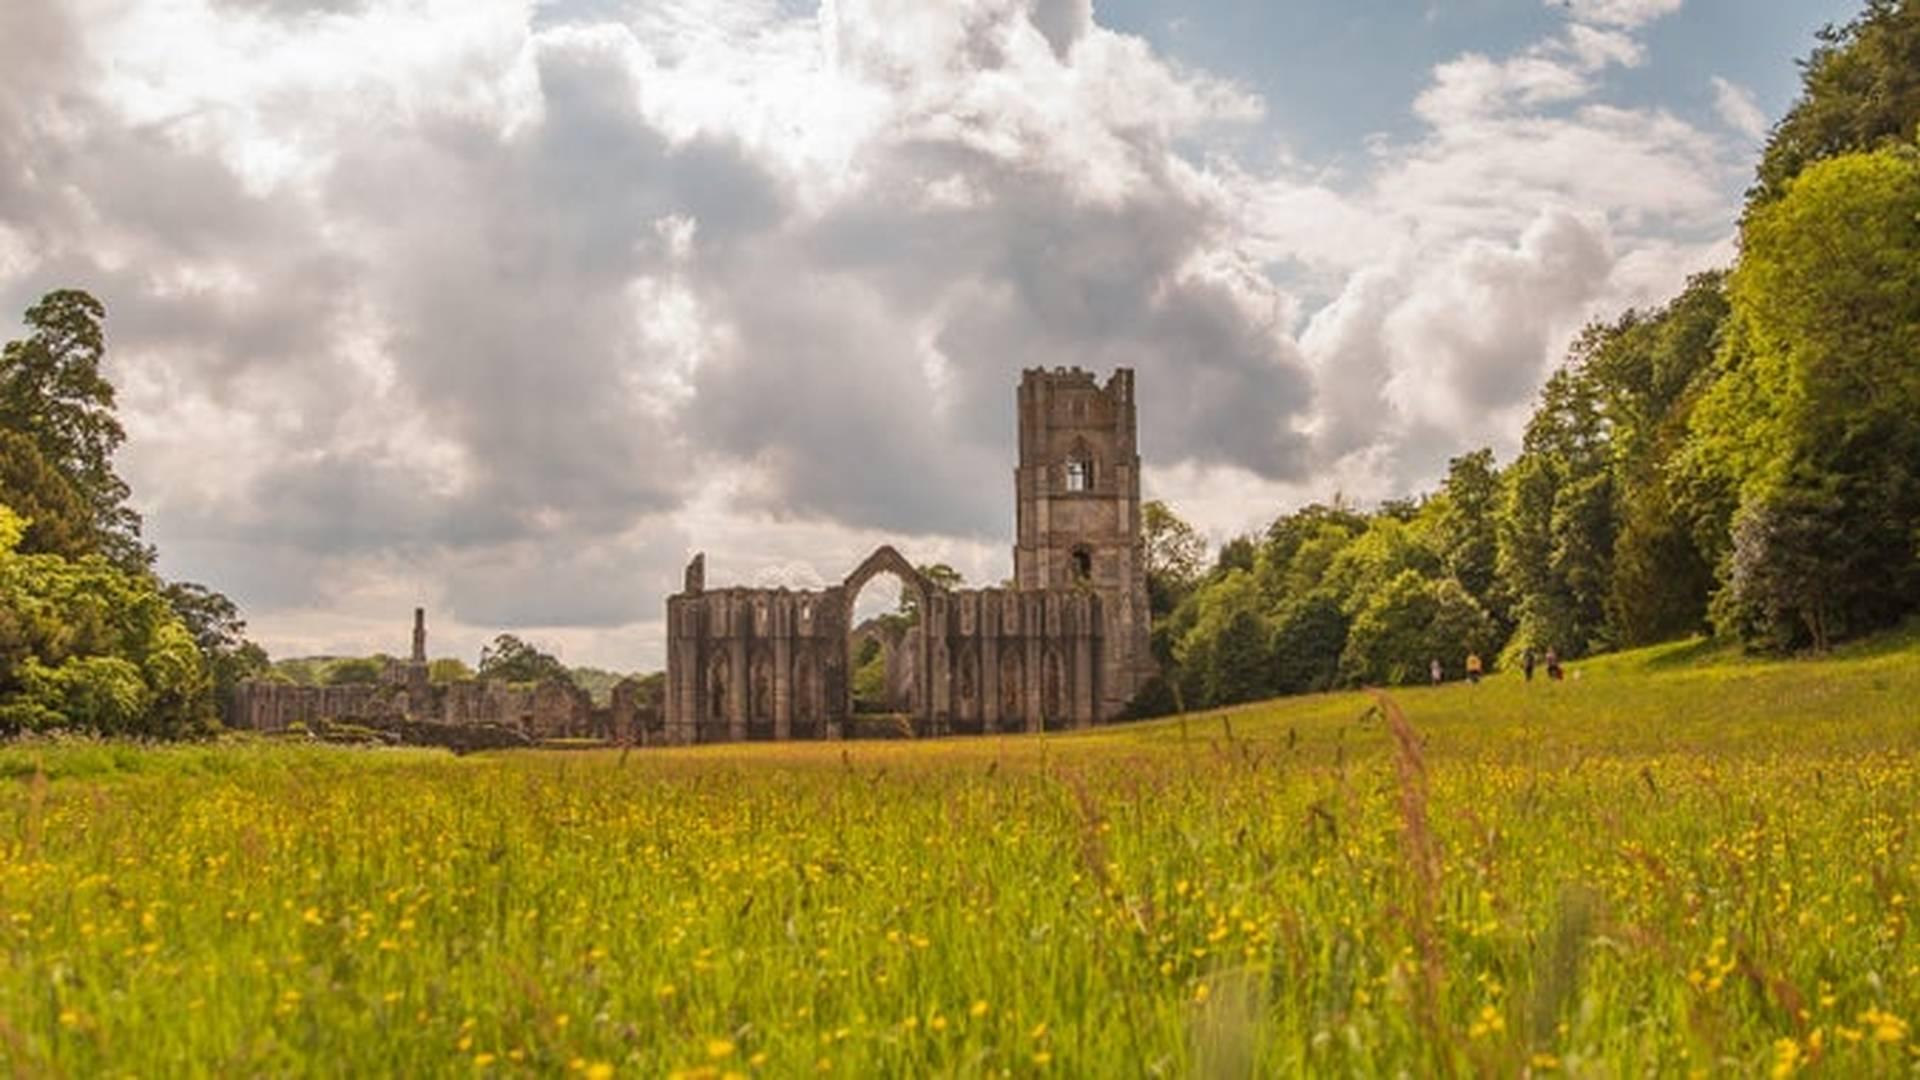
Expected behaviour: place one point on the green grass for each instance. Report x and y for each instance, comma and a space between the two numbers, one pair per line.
1681, 860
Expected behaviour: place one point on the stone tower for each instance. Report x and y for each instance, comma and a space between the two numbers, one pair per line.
1077, 521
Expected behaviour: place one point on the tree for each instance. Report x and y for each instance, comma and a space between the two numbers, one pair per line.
1859, 90
1308, 638
1175, 556
869, 678
58, 522
1468, 540
1221, 644
1777, 581
1815, 423
1556, 524
1648, 374
51, 391
1364, 567
1408, 624
86, 645
448, 669
221, 635
1240, 668
1236, 554
354, 671
940, 575
510, 659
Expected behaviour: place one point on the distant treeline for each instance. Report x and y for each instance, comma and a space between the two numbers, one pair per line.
1744, 460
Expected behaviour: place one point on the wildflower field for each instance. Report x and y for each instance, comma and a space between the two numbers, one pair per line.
1678, 862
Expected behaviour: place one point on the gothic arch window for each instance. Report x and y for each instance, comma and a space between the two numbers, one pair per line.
762, 686
1012, 706
717, 687
1055, 688
969, 679
1082, 565
1080, 467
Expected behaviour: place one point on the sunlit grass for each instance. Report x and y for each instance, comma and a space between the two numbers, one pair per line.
1677, 861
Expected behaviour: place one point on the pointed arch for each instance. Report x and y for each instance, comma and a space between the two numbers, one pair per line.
1012, 687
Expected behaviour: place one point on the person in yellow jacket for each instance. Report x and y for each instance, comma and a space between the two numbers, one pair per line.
1473, 668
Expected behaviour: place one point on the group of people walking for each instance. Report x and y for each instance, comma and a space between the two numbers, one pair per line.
1528, 660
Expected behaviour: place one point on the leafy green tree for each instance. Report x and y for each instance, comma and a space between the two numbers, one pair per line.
1661, 582
1649, 372
52, 391
354, 671
1468, 539
869, 678
448, 669
1410, 623
299, 671
510, 659
221, 635
1218, 652
1308, 639
1175, 556
940, 574
1238, 553
1389, 548
1860, 90
58, 522
1817, 415
1556, 526
86, 645
1240, 666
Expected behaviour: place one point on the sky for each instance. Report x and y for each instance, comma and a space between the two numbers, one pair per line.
505, 308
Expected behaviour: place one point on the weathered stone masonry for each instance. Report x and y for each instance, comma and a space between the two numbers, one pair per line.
550, 710
1066, 646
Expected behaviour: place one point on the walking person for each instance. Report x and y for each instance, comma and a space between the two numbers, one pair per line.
1553, 664
1433, 668
1526, 661
1473, 668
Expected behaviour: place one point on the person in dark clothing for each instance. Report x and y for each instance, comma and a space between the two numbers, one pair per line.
1553, 665
1526, 662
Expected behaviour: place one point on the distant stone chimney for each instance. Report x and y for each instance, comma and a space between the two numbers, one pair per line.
419, 635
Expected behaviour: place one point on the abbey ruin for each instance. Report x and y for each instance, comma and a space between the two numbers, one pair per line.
405, 695
1065, 646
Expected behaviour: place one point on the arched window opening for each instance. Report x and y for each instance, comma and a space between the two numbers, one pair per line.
880, 670
1082, 565
1079, 475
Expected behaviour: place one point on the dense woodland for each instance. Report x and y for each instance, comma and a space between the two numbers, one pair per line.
1741, 461
1744, 461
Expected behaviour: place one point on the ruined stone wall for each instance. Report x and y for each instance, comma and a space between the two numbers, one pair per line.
633, 717
550, 710
553, 709
1014, 660
269, 706
774, 663
755, 663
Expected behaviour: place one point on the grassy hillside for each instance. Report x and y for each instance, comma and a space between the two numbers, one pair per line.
1677, 860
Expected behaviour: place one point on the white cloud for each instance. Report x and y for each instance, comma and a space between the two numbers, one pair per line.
503, 313
1738, 109
1623, 13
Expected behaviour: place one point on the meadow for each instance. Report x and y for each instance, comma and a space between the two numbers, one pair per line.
1679, 862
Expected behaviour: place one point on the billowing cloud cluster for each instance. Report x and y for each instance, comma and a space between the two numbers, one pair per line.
504, 307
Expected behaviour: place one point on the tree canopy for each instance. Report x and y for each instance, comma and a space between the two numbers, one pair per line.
510, 659
1741, 459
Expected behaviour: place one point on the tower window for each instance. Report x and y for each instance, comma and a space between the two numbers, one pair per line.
1079, 476
1082, 565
